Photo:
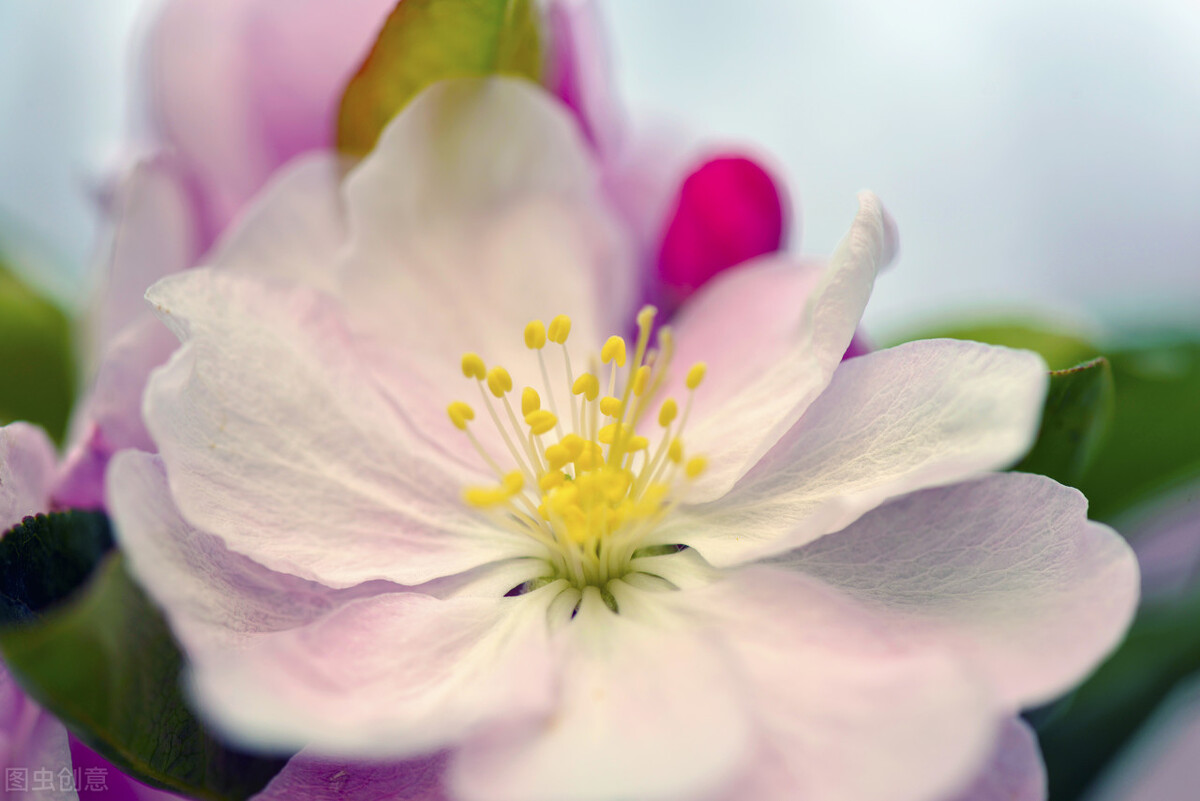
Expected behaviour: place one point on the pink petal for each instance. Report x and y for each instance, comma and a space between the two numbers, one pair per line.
31, 739
460, 237
645, 710
729, 211
1015, 772
154, 234
845, 709
26, 473
239, 87
919, 415
314, 778
772, 333
579, 72
277, 441
395, 675
1007, 572
280, 661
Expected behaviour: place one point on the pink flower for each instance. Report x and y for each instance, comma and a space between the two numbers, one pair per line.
738, 568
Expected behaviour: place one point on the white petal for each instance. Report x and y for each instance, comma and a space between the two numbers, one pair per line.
772, 335
645, 712
1016, 771
845, 710
276, 441
460, 236
375, 670
919, 415
294, 229
1006, 571
26, 472
395, 675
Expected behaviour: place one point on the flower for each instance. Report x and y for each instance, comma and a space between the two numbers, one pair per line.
822, 591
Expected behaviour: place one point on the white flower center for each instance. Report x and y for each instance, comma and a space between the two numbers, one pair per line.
589, 489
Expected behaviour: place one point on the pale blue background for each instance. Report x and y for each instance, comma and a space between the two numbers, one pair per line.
1042, 152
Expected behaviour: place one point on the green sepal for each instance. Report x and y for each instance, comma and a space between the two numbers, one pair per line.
425, 41
1074, 419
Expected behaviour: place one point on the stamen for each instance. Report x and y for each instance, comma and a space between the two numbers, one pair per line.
591, 493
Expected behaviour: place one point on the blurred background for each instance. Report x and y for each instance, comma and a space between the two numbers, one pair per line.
1040, 153
1042, 160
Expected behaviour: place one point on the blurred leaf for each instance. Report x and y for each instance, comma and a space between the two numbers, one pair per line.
37, 370
1077, 411
1153, 443
424, 41
46, 558
1087, 730
101, 658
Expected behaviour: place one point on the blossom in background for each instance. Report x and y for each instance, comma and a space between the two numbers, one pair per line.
736, 568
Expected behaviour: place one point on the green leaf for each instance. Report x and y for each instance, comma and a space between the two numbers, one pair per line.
102, 659
1077, 412
37, 369
424, 41
1153, 444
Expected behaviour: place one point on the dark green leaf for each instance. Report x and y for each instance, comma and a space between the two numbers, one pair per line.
1153, 444
1077, 411
101, 658
424, 41
37, 370
46, 558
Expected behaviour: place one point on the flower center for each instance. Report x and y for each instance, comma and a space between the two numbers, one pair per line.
591, 482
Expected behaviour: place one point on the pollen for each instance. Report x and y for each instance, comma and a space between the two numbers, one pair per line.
593, 469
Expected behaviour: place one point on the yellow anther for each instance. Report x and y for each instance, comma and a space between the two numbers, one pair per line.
560, 329
530, 401
696, 374
540, 421
675, 450
473, 366
574, 445
695, 466
591, 456
613, 350
668, 412
640, 379
609, 433
483, 497
587, 385
557, 456
645, 317
514, 482
460, 413
636, 443
610, 406
550, 480
535, 335
499, 381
